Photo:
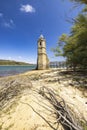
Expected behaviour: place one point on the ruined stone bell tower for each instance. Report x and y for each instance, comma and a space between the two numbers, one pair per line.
42, 60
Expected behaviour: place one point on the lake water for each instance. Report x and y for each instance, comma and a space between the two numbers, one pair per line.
12, 70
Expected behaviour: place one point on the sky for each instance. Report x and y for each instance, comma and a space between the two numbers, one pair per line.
23, 21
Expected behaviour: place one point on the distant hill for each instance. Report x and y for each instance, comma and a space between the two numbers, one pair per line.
11, 62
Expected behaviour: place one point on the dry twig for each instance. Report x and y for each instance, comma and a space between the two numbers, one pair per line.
61, 110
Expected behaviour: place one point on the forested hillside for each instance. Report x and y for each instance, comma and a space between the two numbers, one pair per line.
10, 62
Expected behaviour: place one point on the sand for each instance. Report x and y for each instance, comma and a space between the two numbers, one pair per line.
20, 115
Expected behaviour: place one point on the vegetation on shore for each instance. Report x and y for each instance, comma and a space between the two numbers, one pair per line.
74, 45
11, 62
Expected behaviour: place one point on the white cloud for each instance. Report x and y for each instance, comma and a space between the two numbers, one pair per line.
9, 58
19, 57
27, 8
11, 21
1, 14
8, 24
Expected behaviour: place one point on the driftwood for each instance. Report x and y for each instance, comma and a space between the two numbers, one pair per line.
11, 90
62, 112
57, 108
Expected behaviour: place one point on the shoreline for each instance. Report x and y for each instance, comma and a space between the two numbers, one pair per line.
29, 73
6, 70
19, 90
19, 65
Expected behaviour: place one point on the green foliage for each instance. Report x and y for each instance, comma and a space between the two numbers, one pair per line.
58, 51
85, 9
74, 46
80, 1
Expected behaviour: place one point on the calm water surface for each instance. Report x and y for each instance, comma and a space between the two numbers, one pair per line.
12, 70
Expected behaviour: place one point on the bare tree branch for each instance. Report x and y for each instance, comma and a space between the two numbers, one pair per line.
63, 115
57, 108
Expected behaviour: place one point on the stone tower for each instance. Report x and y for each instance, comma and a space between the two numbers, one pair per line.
42, 60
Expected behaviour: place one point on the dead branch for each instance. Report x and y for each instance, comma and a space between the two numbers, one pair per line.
40, 115
57, 108
62, 112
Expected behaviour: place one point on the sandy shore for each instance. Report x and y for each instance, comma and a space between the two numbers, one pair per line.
17, 96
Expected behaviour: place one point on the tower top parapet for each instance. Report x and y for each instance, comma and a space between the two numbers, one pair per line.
41, 36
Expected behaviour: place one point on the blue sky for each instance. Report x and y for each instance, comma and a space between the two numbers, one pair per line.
22, 22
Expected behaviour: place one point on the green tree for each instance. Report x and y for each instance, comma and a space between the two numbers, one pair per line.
80, 1
74, 46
